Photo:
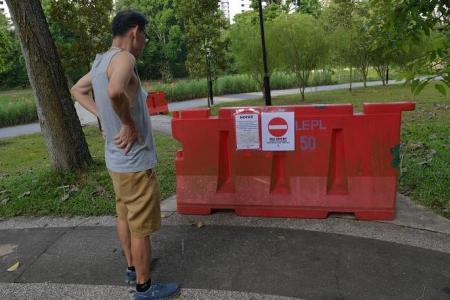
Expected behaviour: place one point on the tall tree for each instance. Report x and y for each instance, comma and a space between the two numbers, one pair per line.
13, 72
4, 42
66, 144
166, 51
255, 3
310, 7
246, 47
360, 48
80, 30
337, 19
273, 8
300, 44
205, 39
397, 24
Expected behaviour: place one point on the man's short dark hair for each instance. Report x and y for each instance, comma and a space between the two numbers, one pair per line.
127, 19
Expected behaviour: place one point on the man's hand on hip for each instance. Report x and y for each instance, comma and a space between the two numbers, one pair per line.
126, 137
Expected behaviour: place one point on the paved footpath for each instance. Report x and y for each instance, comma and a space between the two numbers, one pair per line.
235, 257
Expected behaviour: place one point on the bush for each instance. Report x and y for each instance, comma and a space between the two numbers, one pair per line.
229, 84
234, 84
15, 111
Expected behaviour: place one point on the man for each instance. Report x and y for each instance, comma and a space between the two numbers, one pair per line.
130, 151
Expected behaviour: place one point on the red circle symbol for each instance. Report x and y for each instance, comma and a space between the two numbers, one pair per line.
278, 127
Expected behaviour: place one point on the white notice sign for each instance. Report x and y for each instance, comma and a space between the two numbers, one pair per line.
278, 132
247, 131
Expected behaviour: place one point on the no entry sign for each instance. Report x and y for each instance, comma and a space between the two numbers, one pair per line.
278, 127
278, 132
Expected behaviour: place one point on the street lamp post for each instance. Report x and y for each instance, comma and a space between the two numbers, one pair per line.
209, 78
266, 69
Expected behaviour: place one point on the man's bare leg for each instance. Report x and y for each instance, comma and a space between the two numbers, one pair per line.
140, 251
125, 240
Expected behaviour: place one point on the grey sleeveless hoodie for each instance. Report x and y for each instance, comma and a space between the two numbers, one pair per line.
141, 157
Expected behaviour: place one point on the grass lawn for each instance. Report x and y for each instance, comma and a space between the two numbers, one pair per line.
29, 187
425, 171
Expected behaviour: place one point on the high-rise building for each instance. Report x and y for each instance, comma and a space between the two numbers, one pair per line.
231, 8
4, 9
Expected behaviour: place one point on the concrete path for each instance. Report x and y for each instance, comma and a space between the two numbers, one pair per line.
13, 131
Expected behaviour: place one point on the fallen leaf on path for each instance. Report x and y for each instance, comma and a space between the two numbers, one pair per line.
199, 224
14, 267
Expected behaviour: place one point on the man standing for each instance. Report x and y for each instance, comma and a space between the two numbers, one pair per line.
130, 151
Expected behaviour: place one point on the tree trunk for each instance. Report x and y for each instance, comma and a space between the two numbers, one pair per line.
381, 71
66, 144
351, 78
302, 91
387, 74
301, 85
364, 72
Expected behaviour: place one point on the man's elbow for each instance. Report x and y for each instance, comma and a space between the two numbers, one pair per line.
74, 92
114, 93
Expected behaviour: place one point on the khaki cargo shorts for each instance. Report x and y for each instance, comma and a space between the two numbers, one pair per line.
138, 201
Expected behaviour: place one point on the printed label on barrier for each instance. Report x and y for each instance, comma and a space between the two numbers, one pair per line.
278, 131
247, 131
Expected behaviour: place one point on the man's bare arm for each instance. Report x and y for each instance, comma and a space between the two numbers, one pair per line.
121, 70
81, 91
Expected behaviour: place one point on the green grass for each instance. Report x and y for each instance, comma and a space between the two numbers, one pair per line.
29, 187
425, 167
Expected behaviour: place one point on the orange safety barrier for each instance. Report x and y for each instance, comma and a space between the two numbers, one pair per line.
342, 162
157, 104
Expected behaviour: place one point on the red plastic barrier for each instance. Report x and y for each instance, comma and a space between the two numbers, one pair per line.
156, 103
343, 162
